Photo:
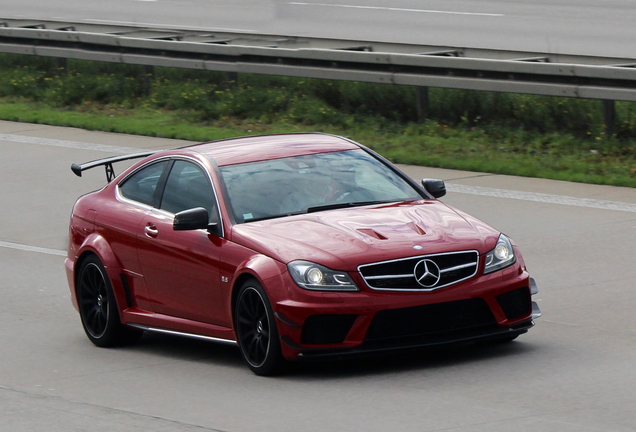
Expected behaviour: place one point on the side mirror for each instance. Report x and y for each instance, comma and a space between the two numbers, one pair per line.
192, 219
435, 187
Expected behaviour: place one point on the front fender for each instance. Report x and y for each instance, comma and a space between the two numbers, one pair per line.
261, 267
267, 271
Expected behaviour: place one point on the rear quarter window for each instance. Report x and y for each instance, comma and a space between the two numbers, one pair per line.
142, 185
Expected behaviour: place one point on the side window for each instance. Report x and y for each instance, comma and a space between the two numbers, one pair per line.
187, 187
142, 185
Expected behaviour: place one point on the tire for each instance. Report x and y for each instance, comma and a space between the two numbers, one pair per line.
98, 308
256, 330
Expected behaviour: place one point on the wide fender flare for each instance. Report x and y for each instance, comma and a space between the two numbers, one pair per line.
267, 271
97, 245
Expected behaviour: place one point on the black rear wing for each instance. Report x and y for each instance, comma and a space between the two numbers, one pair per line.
107, 163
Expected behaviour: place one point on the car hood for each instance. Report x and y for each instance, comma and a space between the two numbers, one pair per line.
343, 239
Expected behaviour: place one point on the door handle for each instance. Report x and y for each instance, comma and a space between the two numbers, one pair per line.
151, 231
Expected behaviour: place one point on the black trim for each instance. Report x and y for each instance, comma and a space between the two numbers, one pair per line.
161, 184
326, 329
127, 292
516, 303
310, 354
282, 318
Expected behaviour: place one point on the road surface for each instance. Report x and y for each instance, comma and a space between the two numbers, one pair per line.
573, 372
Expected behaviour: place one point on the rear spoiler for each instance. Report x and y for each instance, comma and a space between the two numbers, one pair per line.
107, 163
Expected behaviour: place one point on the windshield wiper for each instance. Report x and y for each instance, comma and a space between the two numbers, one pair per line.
319, 208
343, 205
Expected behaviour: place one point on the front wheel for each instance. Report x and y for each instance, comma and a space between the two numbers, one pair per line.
97, 307
256, 330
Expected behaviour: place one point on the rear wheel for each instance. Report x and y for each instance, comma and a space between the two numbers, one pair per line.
256, 330
97, 307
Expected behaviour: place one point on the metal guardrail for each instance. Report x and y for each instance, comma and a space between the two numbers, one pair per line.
403, 64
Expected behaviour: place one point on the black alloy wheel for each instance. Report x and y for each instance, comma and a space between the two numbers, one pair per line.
256, 330
97, 307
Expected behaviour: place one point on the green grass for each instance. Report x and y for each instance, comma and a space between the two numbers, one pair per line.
489, 132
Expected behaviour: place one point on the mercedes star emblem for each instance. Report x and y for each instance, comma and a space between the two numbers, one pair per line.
427, 273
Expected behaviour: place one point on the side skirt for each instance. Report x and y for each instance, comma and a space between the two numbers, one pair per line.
184, 334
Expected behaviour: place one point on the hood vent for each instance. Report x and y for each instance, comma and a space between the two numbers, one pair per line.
415, 227
372, 233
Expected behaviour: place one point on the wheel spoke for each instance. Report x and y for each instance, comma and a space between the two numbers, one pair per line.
252, 305
91, 313
86, 303
244, 320
101, 321
262, 345
88, 286
93, 320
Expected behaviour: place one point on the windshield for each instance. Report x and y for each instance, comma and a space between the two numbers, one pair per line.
301, 184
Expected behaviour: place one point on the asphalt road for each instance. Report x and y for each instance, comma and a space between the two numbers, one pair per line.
573, 372
581, 27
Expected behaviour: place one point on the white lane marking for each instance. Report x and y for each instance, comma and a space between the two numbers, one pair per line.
544, 198
67, 144
28, 248
395, 9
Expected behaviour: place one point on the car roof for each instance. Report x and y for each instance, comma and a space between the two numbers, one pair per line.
265, 147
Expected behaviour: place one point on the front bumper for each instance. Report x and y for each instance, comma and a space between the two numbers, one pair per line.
493, 307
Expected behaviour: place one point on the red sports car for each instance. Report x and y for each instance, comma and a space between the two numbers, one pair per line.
292, 247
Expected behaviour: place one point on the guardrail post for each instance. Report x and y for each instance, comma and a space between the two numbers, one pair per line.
148, 72
232, 79
61, 65
422, 102
609, 117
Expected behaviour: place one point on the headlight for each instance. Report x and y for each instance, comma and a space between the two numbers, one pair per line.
319, 278
501, 256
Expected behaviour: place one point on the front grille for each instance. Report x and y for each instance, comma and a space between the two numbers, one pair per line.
431, 323
515, 303
421, 273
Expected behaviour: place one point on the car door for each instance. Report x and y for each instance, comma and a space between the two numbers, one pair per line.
136, 195
181, 268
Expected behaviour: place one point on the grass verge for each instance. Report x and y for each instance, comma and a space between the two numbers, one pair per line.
532, 136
